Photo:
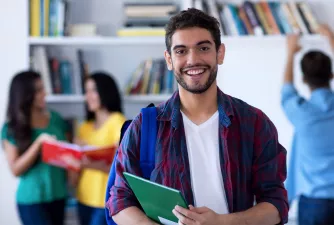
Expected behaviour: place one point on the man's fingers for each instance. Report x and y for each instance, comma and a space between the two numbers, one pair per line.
199, 210
187, 213
183, 219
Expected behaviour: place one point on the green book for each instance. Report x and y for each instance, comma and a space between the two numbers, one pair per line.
157, 200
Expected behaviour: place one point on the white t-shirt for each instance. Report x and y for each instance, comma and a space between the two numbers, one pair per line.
205, 172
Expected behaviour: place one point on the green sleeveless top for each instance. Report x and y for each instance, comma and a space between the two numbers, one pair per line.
42, 182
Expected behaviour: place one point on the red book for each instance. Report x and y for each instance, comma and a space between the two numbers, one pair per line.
67, 155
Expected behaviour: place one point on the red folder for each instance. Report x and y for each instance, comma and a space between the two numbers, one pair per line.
67, 155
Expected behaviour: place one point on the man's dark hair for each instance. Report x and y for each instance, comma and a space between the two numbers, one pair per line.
192, 18
317, 69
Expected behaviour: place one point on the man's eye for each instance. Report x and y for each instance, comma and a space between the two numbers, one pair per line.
204, 48
180, 52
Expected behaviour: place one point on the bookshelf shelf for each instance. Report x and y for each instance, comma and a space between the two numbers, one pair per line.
64, 98
95, 40
103, 41
146, 98
128, 98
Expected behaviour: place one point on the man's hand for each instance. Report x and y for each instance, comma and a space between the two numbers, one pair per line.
326, 31
293, 44
196, 216
292, 48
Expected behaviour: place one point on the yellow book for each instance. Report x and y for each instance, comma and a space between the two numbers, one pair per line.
262, 18
46, 17
314, 25
146, 77
35, 18
132, 32
290, 17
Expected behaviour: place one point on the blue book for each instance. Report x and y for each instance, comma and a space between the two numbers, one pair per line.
65, 69
274, 9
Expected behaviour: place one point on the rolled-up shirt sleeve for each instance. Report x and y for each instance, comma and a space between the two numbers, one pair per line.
121, 195
291, 102
269, 167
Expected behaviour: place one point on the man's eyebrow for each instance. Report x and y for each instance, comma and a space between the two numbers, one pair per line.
178, 46
204, 42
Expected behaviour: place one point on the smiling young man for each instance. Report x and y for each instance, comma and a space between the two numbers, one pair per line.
220, 152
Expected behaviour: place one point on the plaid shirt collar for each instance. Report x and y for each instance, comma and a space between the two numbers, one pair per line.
170, 111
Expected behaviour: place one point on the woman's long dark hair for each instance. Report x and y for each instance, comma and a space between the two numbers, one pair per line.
21, 97
108, 92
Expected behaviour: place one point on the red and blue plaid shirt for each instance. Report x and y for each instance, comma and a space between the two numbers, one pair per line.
253, 163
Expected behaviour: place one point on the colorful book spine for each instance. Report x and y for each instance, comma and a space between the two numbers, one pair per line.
53, 18
253, 18
314, 25
46, 17
270, 17
65, 69
290, 18
298, 18
274, 7
35, 18
245, 20
228, 12
262, 18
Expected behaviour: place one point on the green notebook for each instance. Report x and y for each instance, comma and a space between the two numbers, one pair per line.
157, 200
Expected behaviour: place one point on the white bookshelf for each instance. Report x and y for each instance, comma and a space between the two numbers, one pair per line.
127, 98
248, 58
103, 41
65, 98
146, 98
63, 41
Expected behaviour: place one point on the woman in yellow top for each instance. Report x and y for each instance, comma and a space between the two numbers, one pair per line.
102, 128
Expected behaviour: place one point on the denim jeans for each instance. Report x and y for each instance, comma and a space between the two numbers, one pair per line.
91, 216
313, 211
51, 213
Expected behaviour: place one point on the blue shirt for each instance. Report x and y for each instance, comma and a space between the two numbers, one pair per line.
311, 168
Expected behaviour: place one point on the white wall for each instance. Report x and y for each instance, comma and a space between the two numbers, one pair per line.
13, 57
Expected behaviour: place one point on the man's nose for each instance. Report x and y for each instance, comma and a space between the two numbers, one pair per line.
192, 57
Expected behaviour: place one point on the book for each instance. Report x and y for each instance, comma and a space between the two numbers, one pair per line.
253, 18
68, 156
40, 64
140, 31
157, 200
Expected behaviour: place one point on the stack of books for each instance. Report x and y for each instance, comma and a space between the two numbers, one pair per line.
48, 18
268, 18
260, 17
146, 19
58, 73
151, 77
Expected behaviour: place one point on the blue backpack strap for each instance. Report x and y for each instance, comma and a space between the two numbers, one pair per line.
112, 174
148, 140
147, 151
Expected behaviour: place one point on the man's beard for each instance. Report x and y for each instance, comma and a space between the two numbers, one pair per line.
199, 89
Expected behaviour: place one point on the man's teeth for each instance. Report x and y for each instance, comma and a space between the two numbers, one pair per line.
195, 72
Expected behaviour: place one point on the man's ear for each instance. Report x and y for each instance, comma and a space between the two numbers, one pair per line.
221, 54
168, 59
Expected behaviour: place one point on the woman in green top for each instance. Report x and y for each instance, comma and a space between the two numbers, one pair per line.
42, 188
